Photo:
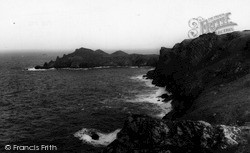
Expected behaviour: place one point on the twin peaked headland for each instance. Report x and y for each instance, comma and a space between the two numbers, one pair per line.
87, 58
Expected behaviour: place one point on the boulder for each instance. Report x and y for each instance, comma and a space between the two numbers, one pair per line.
94, 136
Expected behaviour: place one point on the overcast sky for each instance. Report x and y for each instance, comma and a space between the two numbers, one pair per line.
107, 24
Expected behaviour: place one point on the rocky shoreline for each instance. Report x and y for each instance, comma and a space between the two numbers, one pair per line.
145, 134
209, 81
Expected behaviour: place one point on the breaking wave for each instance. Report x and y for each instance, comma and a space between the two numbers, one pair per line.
96, 138
153, 97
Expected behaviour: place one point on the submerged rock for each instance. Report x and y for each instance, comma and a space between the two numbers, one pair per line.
148, 135
166, 97
94, 136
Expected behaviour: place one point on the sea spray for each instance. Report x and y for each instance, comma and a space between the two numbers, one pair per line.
154, 97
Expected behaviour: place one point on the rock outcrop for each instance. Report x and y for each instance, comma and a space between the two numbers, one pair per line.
148, 135
87, 58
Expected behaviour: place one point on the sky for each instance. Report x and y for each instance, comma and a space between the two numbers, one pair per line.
131, 25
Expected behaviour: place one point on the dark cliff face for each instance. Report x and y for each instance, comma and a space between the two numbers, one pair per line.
194, 65
87, 58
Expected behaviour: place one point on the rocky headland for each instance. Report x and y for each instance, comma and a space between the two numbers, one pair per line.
87, 58
210, 84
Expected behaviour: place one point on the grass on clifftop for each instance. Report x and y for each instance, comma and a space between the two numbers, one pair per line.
224, 104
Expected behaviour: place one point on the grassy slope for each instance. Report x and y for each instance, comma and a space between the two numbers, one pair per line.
224, 104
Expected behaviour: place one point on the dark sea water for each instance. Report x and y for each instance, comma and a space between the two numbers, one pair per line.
55, 107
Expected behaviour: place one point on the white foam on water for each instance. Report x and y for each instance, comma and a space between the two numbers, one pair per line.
33, 69
98, 67
76, 69
154, 97
104, 138
101, 67
148, 82
73, 69
134, 67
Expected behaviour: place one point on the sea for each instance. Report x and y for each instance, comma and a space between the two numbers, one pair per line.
58, 110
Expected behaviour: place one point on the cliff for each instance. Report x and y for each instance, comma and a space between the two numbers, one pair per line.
87, 58
195, 67
209, 80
